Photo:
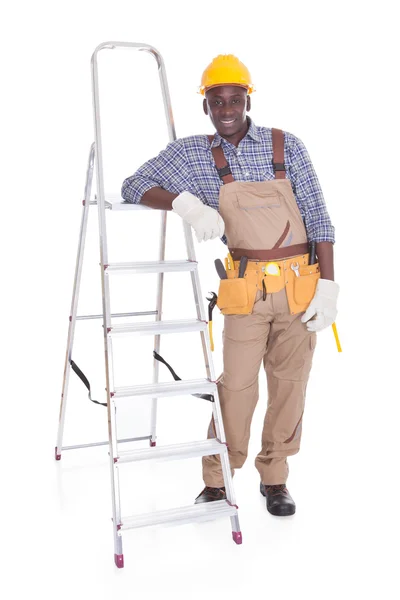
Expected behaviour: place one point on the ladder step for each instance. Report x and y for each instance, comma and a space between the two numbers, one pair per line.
206, 511
173, 452
157, 266
156, 327
172, 388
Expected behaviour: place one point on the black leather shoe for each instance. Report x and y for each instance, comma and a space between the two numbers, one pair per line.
210, 494
279, 501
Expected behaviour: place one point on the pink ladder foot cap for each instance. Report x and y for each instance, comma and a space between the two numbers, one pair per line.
237, 537
119, 560
57, 456
152, 444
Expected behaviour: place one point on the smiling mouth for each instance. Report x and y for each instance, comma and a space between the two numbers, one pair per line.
225, 122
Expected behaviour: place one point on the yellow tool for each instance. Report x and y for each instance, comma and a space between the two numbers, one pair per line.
211, 335
231, 264
335, 333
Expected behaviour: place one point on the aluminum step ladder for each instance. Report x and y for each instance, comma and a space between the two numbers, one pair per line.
154, 390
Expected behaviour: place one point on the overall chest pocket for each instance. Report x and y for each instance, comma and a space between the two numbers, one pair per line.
257, 200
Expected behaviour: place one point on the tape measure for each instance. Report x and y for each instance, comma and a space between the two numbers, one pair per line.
272, 268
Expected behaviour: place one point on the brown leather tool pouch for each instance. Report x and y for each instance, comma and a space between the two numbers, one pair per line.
236, 295
301, 290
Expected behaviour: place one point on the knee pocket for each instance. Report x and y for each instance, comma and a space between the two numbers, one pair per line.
292, 364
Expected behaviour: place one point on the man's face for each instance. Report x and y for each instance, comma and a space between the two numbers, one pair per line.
226, 106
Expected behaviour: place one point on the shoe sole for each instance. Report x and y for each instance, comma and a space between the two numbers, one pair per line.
283, 511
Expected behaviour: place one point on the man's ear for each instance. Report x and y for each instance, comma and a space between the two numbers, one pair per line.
248, 103
205, 106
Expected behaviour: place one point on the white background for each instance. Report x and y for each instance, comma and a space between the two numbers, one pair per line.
326, 72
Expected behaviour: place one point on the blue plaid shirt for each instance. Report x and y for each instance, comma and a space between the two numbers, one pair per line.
187, 165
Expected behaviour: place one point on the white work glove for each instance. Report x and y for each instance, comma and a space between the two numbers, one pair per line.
323, 305
206, 221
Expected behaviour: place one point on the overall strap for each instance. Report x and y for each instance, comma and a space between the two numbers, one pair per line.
221, 163
278, 159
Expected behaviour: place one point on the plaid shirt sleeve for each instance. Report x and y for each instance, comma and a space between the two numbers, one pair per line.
169, 170
309, 194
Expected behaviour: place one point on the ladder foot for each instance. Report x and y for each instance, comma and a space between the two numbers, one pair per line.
56, 456
237, 537
119, 560
152, 444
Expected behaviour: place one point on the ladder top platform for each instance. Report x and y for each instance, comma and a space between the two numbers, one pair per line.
116, 202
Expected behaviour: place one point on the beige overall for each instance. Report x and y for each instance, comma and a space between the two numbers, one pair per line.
263, 223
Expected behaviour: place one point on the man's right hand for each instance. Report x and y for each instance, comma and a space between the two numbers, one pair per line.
206, 221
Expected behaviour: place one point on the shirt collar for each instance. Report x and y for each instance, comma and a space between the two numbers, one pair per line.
251, 132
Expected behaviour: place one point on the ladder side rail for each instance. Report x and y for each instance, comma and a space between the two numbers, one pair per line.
111, 408
157, 338
163, 232
75, 299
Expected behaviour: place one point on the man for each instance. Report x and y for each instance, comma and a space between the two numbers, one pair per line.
258, 186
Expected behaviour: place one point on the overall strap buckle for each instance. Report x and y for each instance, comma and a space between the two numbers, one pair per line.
278, 167
278, 161
224, 171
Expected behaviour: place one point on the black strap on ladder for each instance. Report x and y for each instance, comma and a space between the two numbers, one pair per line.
208, 397
85, 380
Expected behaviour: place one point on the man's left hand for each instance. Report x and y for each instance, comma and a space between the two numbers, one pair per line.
323, 305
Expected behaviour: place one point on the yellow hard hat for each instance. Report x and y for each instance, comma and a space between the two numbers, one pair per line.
226, 69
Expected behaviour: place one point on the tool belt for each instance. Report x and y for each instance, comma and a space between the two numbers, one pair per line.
237, 295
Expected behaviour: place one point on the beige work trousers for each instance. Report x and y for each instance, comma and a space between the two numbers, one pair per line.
272, 335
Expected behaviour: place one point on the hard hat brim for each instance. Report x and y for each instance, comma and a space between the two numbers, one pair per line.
203, 89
